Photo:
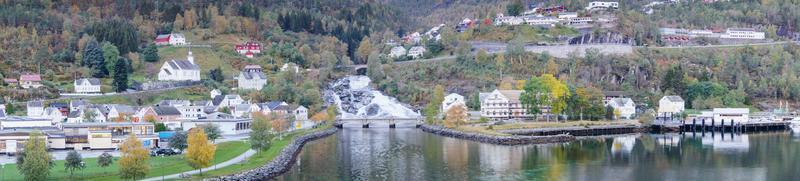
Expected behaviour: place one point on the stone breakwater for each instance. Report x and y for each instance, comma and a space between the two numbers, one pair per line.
281, 163
579, 130
499, 140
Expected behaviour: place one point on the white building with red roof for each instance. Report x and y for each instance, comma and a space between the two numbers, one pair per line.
248, 49
170, 39
30, 81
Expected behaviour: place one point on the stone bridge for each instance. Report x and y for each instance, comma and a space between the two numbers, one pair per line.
366, 122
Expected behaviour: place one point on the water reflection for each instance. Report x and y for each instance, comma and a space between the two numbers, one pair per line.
409, 154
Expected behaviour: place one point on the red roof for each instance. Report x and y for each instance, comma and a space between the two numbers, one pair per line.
163, 38
248, 53
10, 80
30, 77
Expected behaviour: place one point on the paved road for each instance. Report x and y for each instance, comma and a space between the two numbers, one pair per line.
238, 159
117, 94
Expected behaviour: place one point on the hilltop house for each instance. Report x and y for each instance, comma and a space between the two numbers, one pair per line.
252, 77
670, 106
602, 4
290, 66
625, 106
87, 85
416, 52
180, 70
251, 47
30, 81
503, 104
170, 39
397, 52
540, 21
451, 100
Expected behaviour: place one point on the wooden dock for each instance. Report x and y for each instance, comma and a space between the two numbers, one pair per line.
731, 126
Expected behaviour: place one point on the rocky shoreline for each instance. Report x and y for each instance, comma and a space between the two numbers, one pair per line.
580, 130
281, 163
499, 140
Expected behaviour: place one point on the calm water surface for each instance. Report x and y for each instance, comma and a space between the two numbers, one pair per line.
410, 154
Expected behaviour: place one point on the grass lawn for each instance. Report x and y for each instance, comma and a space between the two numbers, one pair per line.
150, 98
158, 165
260, 158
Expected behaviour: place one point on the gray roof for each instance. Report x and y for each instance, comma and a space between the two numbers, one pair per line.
173, 102
35, 104
241, 107
182, 65
2, 113
674, 98
275, 104
217, 99
92, 81
252, 75
201, 102
619, 102
74, 114
122, 108
166, 110
219, 115
78, 103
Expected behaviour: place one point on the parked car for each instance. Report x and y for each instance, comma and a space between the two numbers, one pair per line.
162, 152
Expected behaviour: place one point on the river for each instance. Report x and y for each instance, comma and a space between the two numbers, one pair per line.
410, 154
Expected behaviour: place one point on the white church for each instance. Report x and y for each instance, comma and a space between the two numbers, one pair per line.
180, 70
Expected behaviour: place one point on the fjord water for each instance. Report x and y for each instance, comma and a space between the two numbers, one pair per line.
410, 154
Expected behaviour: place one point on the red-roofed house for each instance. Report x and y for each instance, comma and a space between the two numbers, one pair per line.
248, 49
11, 82
30, 81
170, 39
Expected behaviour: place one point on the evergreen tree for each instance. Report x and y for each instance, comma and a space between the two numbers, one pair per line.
121, 77
212, 130
150, 53
216, 74
515, 8
105, 160
10, 110
93, 58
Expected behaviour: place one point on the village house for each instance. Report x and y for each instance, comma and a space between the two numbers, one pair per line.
180, 70
11, 82
507, 20
193, 111
75, 105
174, 103
87, 114
503, 104
107, 135
28, 81
670, 106
170, 39
54, 115
567, 15
290, 66
248, 49
277, 107
119, 111
87, 85
228, 124
215, 93
35, 108
228, 101
743, 33
13, 140
168, 115
624, 106
300, 113
416, 52
579, 21
244, 110
602, 5
397, 52
412, 38
252, 77
451, 100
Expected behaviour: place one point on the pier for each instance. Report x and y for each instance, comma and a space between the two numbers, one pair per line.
711, 125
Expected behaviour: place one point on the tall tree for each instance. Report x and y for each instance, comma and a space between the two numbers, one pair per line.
535, 96
260, 136
434, 106
200, 151
10, 110
111, 55
73, 162
178, 141
212, 130
133, 163
216, 74
278, 124
674, 81
559, 93
364, 49
121, 75
93, 58
374, 68
150, 53
35, 162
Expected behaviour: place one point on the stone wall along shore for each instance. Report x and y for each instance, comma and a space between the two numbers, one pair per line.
493, 139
